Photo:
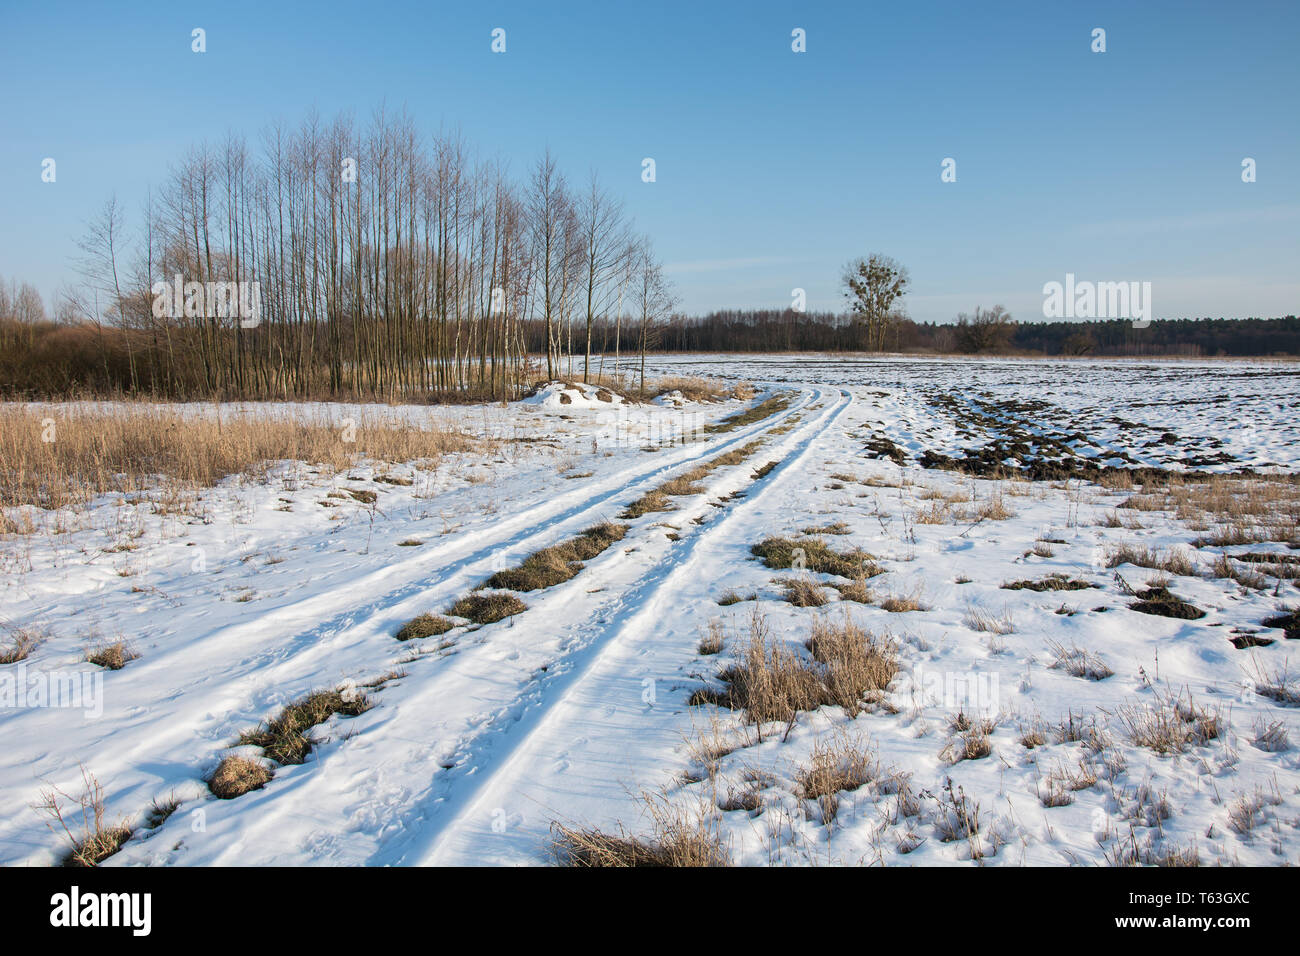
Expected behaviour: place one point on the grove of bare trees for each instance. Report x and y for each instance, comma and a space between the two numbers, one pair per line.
387, 263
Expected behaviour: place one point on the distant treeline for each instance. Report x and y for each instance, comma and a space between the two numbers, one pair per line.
789, 331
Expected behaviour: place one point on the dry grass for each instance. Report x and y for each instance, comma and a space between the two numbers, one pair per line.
676, 839
285, 740
1275, 683
803, 592
1175, 561
651, 501
835, 527
1250, 810
1223, 567
839, 766
902, 603
714, 641
1171, 724
936, 511
160, 811
771, 681
113, 656
1033, 735
732, 596
1078, 662
814, 554
487, 608
957, 818
558, 563
1052, 582
859, 665
768, 682
132, 448
1146, 503
687, 483
994, 509
97, 839
694, 388
977, 619
1271, 736
972, 738
22, 641
764, 409
236, 776
1240, 509
426, 625
857, 590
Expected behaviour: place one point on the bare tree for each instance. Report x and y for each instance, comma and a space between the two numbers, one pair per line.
654, 299
986, 330
605, 244
872, 287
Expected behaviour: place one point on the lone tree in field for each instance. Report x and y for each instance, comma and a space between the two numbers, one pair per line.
871, 287
986, 330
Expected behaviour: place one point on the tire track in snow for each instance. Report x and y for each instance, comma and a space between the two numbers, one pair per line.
474, 812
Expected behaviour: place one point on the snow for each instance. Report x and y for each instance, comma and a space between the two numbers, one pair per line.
556, 395
571, 710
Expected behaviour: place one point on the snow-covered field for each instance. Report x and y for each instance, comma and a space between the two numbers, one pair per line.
574, 710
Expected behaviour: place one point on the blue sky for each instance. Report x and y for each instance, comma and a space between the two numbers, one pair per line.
773, 168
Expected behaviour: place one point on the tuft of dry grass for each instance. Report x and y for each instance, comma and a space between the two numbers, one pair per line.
1171, 724
694, 388
284, 738
714, 641
236, 776
98, 839
977, 619
112, 656
770, 681
676, 839
732, 596
902, 603
803, 592
22, 641
856, 590
859, 664
426, 625
1078, 662
1275, 684
487, 608
994, 509
1271, 736
839, 766
651, 501
936, 511
767, 682
835, 527
814, 554
1175, 561
558, 563
972, 738
1052, 582
1223, 567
